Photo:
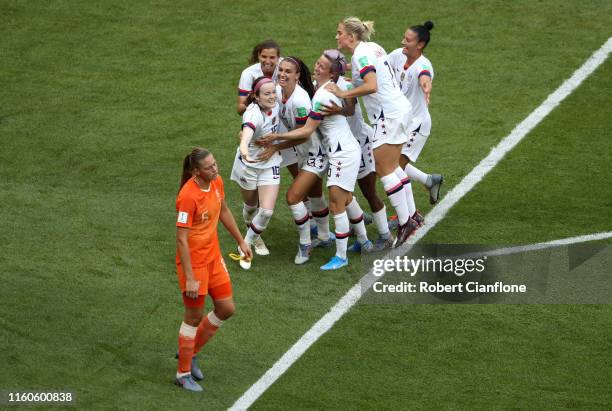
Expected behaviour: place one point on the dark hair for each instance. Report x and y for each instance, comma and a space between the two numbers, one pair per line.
191, 162
305, 79
266, 44
423, 31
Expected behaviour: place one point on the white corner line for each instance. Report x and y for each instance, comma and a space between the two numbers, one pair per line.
433, 218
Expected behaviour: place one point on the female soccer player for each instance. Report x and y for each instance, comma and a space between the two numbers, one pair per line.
264, 61
200, 267
388, 110
366, 179
295, 91
414, 74
258, 180
343, 153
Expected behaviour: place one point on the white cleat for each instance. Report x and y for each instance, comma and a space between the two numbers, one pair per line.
260, 247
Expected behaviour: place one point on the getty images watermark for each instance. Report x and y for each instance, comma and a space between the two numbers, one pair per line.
488, 274
457, 266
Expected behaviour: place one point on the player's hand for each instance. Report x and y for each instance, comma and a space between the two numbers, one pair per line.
331, 109
334, 89
267, 153
246, 250
246, 158
191, 288
267, 140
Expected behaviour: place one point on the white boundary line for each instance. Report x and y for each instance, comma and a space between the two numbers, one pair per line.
437, 214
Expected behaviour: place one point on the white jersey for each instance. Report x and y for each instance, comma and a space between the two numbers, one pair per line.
408, 80
335, 131
388, 99
248, 76
293, 113
359, 127
262, 124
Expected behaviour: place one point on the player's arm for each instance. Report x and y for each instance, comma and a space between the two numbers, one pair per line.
346, 110
425, 83
182, 245
246, 135
369, 86
241, 104
228, 221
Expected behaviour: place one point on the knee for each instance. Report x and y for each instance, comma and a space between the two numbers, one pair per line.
225, 312
292, 197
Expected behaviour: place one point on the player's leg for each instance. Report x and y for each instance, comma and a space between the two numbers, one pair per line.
295, 194
367, 184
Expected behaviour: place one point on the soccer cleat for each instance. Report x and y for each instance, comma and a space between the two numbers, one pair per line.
367, 218
335, 263
245, 263
318, 243
359, 247
404, 231
260, 247
355, 247
188, 383
303, 254
418, 218
196, 372
384, 243
434, 182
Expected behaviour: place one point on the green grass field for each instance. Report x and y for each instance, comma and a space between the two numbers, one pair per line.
99, 104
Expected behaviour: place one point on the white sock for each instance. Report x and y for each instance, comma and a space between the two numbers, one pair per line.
416, 174
341, 222
395, 191
382, 225
248, 212
258, 225
355, 215
407, 190
301, 218
320, 213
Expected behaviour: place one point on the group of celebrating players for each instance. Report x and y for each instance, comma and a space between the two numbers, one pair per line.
311, 123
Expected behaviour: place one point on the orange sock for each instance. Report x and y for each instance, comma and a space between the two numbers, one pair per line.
207, 328
186, 344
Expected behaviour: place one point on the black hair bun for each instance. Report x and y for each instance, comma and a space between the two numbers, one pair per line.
428, 25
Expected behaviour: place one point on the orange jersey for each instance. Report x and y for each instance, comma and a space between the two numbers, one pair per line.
199, 211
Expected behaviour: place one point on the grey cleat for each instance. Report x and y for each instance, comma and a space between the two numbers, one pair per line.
434, 182
384, 243
303, 254
188, 383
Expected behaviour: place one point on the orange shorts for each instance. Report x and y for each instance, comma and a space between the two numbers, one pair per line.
220, 292
211, 276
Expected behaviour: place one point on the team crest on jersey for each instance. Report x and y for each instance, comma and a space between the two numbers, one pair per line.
273, 120
402, 76
204, 217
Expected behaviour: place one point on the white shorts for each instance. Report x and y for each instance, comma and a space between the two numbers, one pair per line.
316, 164
343, 169
414, 145
368, 165
249, 178
289, 157
390, 130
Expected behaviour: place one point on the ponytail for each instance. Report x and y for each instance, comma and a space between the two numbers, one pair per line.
362, 30
422, 32
191, 162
